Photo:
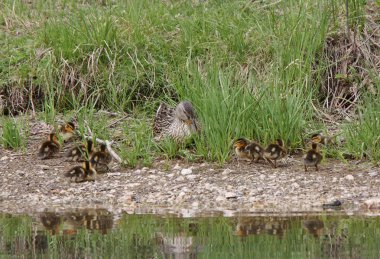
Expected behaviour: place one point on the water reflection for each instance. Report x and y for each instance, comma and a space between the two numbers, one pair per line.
314, 227
91, 219
275, 226
180, 245
51, 221
95, 233
70, 222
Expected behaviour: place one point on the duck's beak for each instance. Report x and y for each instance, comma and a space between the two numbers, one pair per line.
189, 122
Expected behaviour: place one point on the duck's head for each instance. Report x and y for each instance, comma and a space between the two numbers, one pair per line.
280, 142
103, 147
69, 127
185, 112
316, 138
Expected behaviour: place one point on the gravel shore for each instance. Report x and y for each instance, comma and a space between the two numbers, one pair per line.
29, 185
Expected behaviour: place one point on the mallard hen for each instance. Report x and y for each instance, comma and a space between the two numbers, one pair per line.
177, 123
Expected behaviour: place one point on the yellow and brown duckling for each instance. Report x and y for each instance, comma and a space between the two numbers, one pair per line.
101, 159
49, 147
320, 138
67, 131
313, 157
81, 153
82, 173
255, 151
249, 150
274, 152
240, 151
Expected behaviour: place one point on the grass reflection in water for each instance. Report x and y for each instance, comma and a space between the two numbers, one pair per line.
99, 233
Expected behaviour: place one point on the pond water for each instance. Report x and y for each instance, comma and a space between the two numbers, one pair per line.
95, 233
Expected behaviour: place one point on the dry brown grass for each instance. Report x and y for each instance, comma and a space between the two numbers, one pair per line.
353, 64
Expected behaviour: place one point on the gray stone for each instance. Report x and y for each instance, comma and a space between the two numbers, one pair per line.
180, 179
230, 195
372, 173
186, 171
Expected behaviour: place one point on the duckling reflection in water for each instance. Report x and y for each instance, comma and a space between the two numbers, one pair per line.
314, 227
267, 225
91, 219
51, 221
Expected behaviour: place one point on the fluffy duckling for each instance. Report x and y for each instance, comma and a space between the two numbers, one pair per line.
274, 152
82, 173
240, 145
255, 151
101, 159
320, 138
67, 131
49, 147
80, 153
313, 157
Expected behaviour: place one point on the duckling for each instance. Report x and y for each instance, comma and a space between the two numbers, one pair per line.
313, 157
80, 153
320, 138
240, 148
49, 147
82, 173
101, 159
255, 151
274, 152
67, 131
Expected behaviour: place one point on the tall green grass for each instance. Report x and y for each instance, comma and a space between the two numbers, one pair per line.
362, 136
14, 133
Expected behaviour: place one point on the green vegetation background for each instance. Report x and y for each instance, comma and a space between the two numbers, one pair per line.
249, 68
